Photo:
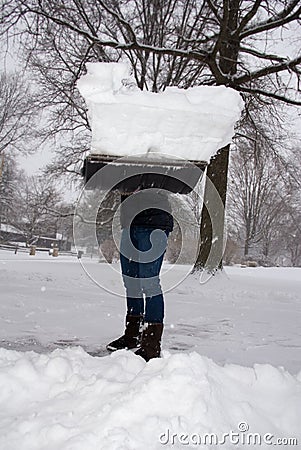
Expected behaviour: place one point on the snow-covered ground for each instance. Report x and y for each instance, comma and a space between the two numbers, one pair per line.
231, 357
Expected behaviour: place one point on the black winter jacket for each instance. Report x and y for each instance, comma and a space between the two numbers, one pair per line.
134, 210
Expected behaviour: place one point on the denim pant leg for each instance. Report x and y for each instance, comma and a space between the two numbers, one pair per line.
130, 274
149, 270
154, 302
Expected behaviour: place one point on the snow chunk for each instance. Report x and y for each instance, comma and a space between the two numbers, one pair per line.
68, 400
187, 123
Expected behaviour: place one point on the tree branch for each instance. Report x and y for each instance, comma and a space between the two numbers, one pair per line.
280, 19
120, 20
289, 64
197, 55
214, 9
282, 98
258, 54
248, 17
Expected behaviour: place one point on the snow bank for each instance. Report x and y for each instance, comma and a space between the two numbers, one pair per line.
192, 123
67, 400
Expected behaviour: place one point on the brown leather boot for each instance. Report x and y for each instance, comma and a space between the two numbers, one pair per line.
131, 337
151, 341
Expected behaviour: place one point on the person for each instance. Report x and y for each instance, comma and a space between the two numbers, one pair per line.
146, 221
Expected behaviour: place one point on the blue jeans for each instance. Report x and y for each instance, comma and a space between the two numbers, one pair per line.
141, 255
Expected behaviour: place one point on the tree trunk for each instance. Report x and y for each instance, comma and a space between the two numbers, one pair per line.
246, 249
217, 171
212, 241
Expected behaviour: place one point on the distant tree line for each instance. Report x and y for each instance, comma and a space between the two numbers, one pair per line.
32, 205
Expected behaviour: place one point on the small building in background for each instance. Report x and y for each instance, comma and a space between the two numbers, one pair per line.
11, 235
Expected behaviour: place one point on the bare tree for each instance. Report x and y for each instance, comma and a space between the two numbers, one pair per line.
292, 240
216, 36
93, 218
290, 231
16, 113
62, 216
35, 207
262, 209
9, 178
182, 42
255, 203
